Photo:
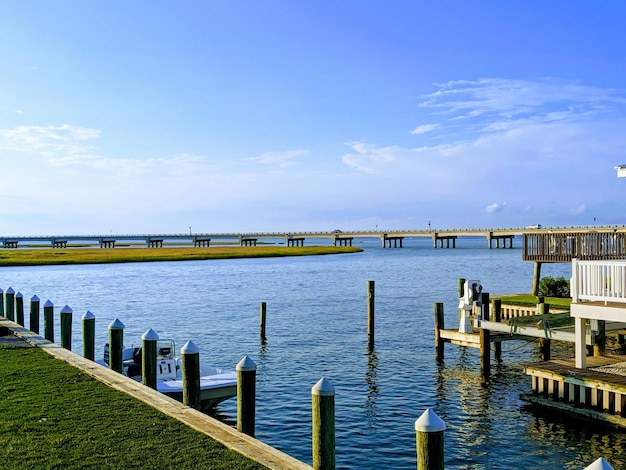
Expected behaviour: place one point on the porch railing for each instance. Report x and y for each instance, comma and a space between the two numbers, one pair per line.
603, 281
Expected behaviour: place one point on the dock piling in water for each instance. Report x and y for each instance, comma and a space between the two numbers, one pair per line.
116, 345
48, 320
149, 358
190, 354
10, 304
89, 335
439, 325
19, 309
246, 396
34, 314
429, 430
323, 421
370, 313
66, 327
263, 320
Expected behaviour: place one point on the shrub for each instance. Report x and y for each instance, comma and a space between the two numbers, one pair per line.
554, 287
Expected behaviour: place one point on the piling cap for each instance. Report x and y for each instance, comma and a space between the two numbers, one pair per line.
599, 464
48, 304
150, 335
190, 348
34, 298
66, 309
323, 388
10, 291
246, 365
116, 325
19, 294
88, 316
429, 422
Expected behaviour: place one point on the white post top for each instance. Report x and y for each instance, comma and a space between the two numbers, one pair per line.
66, 309
88, 316
34, 298
190, 348
10, 291
429, 422
116, 325
48, 304
246, 365
599, 464
150, 335
323, 388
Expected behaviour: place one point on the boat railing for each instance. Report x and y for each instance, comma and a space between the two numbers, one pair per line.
603, 281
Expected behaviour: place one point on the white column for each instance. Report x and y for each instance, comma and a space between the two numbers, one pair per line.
581, 346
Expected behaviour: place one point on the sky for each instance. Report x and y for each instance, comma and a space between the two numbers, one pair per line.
282, 116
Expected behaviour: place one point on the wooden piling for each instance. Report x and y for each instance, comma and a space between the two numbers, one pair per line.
370, 313
323, 420
66, 327
599, 348
544, 343
116, 345
439, 325
190, 354
48, 320
536, 277
246, 396
19, 309
496, 315
429, 441
89, 335
10, 304
33, 314
485, 345
149, 358
1, 302
263, 320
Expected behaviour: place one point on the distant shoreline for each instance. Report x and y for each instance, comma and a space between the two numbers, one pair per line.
65, 256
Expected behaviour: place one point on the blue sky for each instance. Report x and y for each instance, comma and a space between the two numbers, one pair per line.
142, 117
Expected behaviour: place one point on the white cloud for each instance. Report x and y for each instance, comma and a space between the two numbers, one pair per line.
19, 111
495, 207
281, 159
578, 210
424, 128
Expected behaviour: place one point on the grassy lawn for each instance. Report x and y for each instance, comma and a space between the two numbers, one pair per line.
56, 417
47, 256
531, 300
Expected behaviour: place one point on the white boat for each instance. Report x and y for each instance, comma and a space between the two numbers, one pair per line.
216, 384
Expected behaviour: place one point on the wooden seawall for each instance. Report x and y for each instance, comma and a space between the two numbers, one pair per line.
229, 437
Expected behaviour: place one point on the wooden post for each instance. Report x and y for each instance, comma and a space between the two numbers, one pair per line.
323, 402
246, 396
66, 327
1, 303
116, 345
429, 430
263, 319
34, 314
536, 277
10, 304
48, 320
439, 325
544, 343
370, 314
190, 354
496, 316
19, 309
599, 348
485, 345
149, 358
89, 335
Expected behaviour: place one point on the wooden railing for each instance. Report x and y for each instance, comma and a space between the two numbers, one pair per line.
603, 281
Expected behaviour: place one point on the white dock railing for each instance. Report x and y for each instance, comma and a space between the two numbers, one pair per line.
603, 281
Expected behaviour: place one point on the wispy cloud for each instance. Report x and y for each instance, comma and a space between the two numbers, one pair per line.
578, 210
424, 128
495, 207
281, 159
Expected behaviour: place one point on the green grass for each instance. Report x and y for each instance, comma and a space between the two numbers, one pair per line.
56, 417
50, 256
531, 300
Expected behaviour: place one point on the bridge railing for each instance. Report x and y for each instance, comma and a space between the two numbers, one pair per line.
603, 281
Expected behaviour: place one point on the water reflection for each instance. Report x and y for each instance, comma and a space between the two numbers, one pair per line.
371, 379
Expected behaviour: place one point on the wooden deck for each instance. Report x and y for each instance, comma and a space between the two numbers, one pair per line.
587, 393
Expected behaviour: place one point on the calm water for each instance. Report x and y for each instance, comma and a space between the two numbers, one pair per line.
316, 327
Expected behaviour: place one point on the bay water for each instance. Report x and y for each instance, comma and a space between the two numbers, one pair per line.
317, 327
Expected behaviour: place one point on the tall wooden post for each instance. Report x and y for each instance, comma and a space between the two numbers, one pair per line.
370, 313
599, 348
116, 346
1, 302
10, 304
66, 327
544, 343
246, 396
149, 358
190, 354
429, 430
496, 316
48, 320
263, 320
33, 315
439, 325
19, 309
485, 340
323, 403
536, 277
89, 335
